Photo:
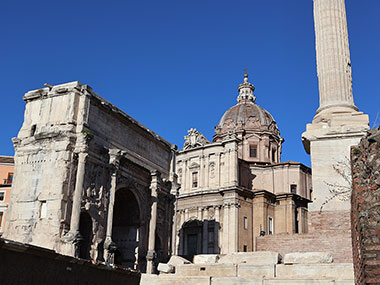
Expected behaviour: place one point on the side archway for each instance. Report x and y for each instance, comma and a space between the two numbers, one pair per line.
125, 230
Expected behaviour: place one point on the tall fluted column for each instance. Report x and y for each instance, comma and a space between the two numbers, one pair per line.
154, 186
337, 125
333, 55
114, 161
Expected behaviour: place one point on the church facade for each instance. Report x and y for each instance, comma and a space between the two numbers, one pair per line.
236, 188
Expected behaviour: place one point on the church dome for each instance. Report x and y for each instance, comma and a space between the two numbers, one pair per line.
247, 112
245, 116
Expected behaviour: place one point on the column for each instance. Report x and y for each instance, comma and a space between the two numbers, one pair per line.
333, 55
181, 240
227, 167
216, 229
201, 171
235, 165
136, 264
207, 171
233, 228
151, 254
73, 236
114, 161
205, 231
225, 228
217, 169
199, 213
185, 180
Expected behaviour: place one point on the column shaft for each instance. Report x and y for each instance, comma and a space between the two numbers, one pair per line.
152, 224
77, 199
333, 55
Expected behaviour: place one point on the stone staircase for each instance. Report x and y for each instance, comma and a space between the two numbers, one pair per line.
256, 268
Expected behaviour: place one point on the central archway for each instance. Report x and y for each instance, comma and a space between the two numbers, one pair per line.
126, 222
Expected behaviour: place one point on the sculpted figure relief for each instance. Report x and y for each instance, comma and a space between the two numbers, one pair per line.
194, 139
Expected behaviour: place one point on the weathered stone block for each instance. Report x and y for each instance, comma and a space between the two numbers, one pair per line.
180, 280
257, 271
235, 281
307, 258
218, 270
148, 279
165, 268
337, 271
300, 281
205, 258
257, 258
178, 260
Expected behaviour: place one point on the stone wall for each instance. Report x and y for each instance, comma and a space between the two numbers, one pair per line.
365, 213
25, 264
338, 244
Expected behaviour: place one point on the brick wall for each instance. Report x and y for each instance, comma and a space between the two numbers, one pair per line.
329, 221
329, 231
337, 243
365, 209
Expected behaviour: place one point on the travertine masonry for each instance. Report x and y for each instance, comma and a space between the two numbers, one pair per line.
86, 175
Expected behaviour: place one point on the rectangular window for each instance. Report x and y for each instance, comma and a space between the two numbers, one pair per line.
293, 189
245, 223
10, 178
270, 225
273, 155
253, 150
2, 196
195, 179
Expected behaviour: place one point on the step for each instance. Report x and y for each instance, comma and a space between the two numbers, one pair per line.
257, 271
218, 270
256, 258
170, 279
334, 271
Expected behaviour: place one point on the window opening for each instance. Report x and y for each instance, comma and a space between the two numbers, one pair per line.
270, 225
253, 150
195, 179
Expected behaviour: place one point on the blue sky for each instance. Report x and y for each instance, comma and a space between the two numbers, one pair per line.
176, 64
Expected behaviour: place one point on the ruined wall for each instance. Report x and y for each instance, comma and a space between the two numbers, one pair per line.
365, 213
64, 147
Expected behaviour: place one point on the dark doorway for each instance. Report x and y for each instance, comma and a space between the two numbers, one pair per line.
85, 230
192, 243
126, 222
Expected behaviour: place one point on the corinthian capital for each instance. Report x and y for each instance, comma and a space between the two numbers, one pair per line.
115, 156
